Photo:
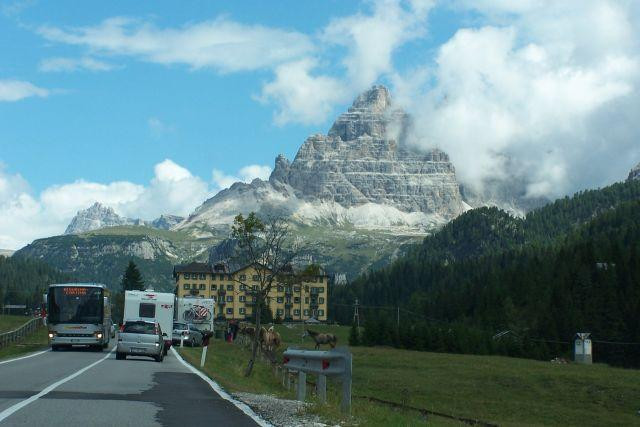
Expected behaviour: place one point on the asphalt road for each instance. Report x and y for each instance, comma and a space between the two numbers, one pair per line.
85, 388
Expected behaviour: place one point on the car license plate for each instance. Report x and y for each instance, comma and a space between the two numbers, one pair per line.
137, 350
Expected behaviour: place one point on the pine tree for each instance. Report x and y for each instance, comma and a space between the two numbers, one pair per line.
132, 279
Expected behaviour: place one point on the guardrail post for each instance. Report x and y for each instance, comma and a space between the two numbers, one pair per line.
346, 386
321, 388
302, 385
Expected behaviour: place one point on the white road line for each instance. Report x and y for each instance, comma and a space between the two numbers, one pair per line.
24, 357
226, 396
10, 410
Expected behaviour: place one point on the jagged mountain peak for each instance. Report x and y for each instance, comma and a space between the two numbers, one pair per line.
377, 100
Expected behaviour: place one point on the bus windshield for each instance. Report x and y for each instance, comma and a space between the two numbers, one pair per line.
75, 304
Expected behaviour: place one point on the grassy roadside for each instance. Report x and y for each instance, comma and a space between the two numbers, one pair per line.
35, 341
499, 390
9, 323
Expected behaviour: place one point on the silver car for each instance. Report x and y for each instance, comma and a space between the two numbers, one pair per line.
186, 331
140, 338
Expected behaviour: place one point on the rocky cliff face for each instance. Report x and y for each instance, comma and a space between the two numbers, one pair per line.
165, 222
100, 216
359, 173
635, 173
95, 217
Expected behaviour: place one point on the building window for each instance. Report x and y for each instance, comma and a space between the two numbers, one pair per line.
187, 276
222, 277
306, 288
230, 277
230, 287
255, 278
242, 277
243, 287
213, 277
214, 287
306, 312
296, 288
320, 290
306, 300
203, 286
320, 312
229, 298
296, 312
255, 287
280, 300
187, 286
280, 288
243, 311
296, 300
230, 311
321, 300
321, 279
242, 298
280, 311
203, 276
288, 300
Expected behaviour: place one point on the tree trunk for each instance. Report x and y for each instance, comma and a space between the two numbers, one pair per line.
256, 338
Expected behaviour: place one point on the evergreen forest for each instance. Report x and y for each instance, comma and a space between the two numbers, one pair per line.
489, 283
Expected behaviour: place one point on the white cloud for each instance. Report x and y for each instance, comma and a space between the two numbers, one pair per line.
173, 189
15, 90
245, 174
221, 44
158, 127
371, 39
300, 96
73, 64
536, 99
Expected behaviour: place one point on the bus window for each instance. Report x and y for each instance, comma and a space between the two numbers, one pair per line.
147, 310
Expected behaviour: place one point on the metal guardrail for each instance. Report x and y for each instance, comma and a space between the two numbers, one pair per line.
333, 363
17, 334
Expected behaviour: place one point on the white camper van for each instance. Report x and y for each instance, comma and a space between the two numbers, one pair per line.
198, 311
149, 304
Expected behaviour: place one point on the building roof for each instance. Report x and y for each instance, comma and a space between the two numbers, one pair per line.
193, 267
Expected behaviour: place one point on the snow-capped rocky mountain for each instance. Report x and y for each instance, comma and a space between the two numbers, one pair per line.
361, 173
95, 217
635, 173
100, 216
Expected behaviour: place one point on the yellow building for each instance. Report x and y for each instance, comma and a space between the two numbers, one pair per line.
293, 300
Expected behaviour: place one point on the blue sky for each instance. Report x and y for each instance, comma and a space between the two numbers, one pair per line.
152, 107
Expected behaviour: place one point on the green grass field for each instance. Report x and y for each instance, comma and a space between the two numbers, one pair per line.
9, 323
35, 341
499, 390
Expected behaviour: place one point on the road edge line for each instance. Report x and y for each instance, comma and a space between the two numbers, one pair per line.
14, 408
2, 362
226, 396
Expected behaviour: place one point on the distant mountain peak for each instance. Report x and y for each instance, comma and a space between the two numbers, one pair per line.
99, 216
377, 99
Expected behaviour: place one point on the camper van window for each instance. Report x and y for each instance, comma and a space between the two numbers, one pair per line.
147, 310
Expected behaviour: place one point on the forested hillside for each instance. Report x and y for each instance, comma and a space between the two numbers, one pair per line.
572, 266
23, 280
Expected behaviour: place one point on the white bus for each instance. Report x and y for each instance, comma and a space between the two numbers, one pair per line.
149, 305
79, 314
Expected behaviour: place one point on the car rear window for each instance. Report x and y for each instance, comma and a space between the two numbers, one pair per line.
139, 328
179, 326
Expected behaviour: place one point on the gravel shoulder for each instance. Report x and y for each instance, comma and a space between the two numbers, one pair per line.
280, 412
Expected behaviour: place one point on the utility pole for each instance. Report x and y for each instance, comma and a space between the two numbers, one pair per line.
356, 315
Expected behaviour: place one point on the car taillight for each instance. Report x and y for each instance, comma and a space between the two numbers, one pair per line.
122, 328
